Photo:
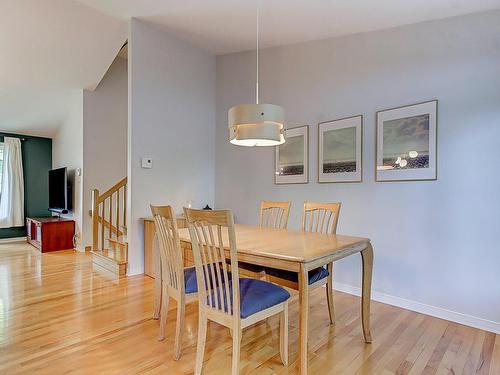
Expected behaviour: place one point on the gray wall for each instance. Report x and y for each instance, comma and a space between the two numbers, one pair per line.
436, 243
105, 122
67, 151
171, 120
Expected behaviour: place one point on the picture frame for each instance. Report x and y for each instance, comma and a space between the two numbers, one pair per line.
406, 143
291, 162
340, 150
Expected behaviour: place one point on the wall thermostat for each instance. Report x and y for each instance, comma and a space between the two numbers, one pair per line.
147, 163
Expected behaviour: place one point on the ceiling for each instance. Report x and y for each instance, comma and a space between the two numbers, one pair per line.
223, 26
49, 49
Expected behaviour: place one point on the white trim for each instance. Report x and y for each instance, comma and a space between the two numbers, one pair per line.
423, 308
13, 239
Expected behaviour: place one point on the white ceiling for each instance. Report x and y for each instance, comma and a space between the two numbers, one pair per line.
49, 48
224, 26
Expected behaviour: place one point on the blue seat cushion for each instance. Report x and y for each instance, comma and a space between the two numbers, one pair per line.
314, 275
190, 285
255, 295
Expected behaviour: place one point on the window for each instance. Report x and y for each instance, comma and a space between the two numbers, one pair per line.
1, 165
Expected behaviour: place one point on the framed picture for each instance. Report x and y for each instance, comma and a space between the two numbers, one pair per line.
292, 157
340, 144
407, 143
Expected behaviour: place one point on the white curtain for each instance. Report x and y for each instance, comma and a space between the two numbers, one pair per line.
12, 195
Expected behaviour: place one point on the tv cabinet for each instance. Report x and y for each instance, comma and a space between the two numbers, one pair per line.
50, 233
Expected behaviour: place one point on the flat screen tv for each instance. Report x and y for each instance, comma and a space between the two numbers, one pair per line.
59, 191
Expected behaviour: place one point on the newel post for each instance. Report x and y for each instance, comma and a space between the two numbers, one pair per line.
95, 219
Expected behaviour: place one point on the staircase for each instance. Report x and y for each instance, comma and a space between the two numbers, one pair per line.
109, 229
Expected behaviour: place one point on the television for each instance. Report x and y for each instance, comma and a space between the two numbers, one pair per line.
59, 191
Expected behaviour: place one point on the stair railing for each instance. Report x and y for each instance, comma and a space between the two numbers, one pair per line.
109, 212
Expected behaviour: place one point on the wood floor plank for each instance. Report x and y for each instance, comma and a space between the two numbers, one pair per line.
495, 362
59, 315
486, 355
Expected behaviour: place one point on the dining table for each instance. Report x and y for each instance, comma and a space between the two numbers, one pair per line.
300, 251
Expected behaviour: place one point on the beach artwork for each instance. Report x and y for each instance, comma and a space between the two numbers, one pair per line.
340, 150
406, 143
291, 157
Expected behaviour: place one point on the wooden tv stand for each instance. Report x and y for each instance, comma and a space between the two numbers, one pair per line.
50, 233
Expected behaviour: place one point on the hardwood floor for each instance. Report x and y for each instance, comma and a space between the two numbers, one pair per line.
58, 316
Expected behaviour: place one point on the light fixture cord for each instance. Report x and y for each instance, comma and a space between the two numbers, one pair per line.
257, 72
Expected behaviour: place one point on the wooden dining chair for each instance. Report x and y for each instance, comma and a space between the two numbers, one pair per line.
177, 282
320, 218
272, 215
223, 296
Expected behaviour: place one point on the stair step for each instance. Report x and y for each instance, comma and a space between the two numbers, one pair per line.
114, 255
110, 260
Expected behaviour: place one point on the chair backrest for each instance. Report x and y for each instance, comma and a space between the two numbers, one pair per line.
210, 231
320, 217
170, 247
274, 214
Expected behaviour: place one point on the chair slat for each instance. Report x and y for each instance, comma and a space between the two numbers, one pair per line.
210, 266
217, 265
204, 268
224, 267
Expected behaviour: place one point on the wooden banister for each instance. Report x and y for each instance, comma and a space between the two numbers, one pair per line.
95, 219
113, 189
108, 214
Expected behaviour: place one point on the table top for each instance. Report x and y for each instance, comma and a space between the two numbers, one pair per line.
290, 245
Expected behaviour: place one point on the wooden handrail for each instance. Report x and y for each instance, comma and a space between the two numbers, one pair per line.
115, 199
113, 189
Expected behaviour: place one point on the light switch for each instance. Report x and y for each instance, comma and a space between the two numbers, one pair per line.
147, 163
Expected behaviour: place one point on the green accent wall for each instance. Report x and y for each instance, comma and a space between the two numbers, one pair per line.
37, 161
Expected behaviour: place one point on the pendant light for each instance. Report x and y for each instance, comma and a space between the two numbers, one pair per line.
256, 124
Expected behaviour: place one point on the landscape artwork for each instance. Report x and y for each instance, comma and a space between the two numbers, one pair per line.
340, 150
291, 157
406, 143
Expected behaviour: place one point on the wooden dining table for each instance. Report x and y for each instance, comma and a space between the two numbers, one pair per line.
300, 251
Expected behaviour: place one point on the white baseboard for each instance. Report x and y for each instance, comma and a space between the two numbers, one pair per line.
135, 271
423, 308
13, 239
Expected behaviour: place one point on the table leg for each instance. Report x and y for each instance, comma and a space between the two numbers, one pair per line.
303, 318
367, 258
329, 293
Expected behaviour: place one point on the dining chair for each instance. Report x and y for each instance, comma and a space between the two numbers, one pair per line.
319, 218
272, 215
223, 296
177, 282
